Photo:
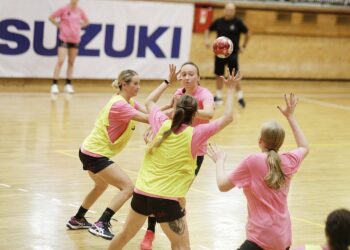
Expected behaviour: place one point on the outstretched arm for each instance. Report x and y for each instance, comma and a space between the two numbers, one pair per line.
230, 83
207, 112
288, 112
219, 156
140, 117
155, 94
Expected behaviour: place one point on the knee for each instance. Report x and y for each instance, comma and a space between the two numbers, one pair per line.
101, 188
70, 63
60, 63
128, 189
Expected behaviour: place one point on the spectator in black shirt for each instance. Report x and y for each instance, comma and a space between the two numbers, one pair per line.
230, 26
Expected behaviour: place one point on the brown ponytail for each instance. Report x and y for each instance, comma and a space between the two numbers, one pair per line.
186, 108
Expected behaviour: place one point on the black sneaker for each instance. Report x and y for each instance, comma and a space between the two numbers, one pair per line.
241, 102
75, 223
101, 229
217, 99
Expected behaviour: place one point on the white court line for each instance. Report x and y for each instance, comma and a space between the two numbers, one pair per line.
325, 104
72, 205
202, 247
22, 190
4, 185
39, 194
56, 200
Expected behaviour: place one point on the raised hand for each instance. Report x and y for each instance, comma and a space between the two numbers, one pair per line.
215, 153
172, 73
233, 80
291, 103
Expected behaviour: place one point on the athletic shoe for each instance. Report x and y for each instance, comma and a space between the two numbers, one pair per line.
75, 223
146, 243
241, 102
217, 99
101, 229
68, 88
54, 89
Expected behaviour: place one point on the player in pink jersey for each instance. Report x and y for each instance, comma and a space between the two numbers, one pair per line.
112, 131
69, 19
265, 178
337, 232
190, 77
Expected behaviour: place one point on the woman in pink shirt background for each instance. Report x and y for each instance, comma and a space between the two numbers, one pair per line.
265, 178
69, 19
189, 77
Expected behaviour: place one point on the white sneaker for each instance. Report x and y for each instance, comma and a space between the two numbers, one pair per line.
54, 89
68, 88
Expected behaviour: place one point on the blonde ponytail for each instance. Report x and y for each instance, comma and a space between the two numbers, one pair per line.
124, 76
275, 178
272, 135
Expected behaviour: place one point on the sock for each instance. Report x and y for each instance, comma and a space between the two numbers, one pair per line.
107, 215
240, 94
81, 212
218, 93
68, 81
151, 224
54, 81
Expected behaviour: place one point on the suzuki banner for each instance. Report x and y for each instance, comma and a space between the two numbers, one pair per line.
143, 36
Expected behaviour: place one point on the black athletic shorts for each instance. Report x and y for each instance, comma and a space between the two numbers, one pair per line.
94, 164
250, 245
163, 210
200, 159
68, 45
231, 61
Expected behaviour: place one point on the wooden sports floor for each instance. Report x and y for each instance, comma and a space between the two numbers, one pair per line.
42, 182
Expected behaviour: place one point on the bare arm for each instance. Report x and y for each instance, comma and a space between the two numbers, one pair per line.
85, 23
155, 94
245, 41
230, 83
54, 21
142, 109
206, 113
288, 112
219, 156
140, 117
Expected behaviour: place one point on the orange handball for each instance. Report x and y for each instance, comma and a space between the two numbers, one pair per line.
222, 47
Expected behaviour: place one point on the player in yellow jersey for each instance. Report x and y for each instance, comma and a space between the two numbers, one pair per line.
113, 129
190, 85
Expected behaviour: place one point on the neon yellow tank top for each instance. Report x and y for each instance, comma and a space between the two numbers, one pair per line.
169, 170
98, 141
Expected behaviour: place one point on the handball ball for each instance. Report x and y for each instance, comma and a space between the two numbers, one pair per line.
222, 47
